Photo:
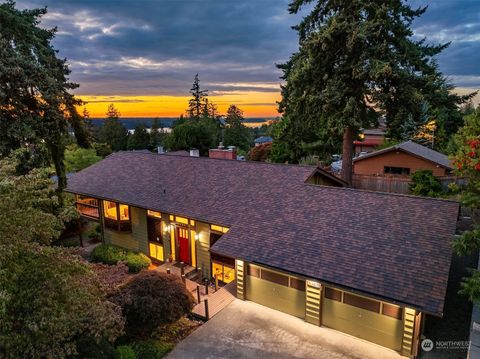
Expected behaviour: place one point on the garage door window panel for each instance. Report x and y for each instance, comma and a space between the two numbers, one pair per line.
276, 278
253, 271
333, 294
297, 284
361, 302
392, 311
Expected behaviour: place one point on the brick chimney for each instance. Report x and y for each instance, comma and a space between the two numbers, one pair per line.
226, 154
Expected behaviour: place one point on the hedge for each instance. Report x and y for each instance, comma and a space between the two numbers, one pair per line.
151, 349
109, 254
125, 352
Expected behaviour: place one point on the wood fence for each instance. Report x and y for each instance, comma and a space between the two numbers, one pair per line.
395, 184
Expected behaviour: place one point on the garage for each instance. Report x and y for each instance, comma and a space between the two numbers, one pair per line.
275, 290
372, 320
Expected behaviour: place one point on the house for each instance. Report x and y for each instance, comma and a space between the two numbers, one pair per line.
402, 160
290, 242
369, 140
262, 140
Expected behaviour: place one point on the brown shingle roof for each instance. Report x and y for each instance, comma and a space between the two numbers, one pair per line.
391, 246
414, 149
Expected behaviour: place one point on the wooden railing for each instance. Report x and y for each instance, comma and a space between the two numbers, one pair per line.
88, 210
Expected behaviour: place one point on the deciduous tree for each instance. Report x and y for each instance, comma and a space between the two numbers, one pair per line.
140, 139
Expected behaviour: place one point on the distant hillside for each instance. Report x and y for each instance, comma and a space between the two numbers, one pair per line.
130, 123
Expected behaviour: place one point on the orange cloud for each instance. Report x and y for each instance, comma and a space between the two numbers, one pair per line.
253, 104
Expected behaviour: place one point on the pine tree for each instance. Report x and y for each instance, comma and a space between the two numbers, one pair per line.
36, 106
356, 61
196, 104
113, 132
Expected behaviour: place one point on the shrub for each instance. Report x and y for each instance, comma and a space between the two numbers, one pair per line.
125, 352
152, 299
108, 254
88, 347
137, 261
424, 183
150, 349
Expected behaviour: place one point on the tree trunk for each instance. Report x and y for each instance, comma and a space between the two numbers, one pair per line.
347, 155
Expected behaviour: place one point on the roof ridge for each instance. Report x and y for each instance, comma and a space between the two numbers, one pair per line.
379, 193
217, 159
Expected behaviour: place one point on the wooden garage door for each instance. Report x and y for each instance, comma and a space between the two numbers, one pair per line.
375, 321
275, 290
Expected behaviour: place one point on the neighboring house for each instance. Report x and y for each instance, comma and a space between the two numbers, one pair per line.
291, 244
263, 140
370, 139
402, 160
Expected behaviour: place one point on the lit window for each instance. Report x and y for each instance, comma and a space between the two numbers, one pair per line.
117, 216
216, 228
154, 214
110, 209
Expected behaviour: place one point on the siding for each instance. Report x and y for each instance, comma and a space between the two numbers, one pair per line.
203, 247
374, 165
137, 240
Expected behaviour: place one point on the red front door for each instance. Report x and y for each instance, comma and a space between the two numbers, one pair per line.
183, 247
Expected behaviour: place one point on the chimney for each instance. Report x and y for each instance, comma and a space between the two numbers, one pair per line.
221, 153
160, 150
194, 152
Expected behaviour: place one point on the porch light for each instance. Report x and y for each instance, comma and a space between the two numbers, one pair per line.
197, 237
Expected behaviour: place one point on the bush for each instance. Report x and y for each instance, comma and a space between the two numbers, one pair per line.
424, 183
88, 348
125, 352
108, 254
151, 349
137, 261
152, 299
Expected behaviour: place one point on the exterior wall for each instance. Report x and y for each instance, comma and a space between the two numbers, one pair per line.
203, 248
374, 165
137, 239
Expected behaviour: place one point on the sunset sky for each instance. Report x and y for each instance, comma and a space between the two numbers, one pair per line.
142, 55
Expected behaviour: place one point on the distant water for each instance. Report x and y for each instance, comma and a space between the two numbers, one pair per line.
131, 122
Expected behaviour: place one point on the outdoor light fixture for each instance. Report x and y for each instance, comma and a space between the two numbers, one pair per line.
197, 237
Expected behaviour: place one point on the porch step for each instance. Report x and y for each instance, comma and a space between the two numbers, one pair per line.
193, 275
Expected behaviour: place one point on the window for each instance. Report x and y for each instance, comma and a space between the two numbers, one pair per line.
88, 207
361, 302
297, 284
333, 294
392, 311
110, 209
223, 267
216, 228
396, 170
154, 214
154, 230
274, 277
117, 216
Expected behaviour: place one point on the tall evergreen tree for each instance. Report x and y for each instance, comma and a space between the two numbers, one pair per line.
236, 133
196, 104
113, 132
140, 139
36, 106
356, 61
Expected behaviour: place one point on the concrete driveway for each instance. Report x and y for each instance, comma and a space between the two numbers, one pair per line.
249, 330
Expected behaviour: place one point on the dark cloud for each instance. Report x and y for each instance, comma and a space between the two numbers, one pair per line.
156, 47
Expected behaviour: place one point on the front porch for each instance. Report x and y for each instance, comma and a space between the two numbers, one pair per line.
210, 298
